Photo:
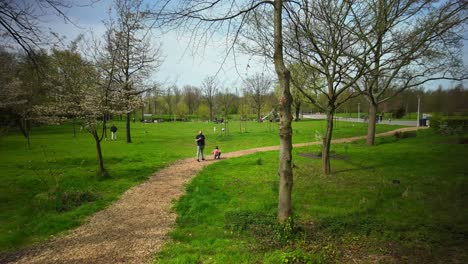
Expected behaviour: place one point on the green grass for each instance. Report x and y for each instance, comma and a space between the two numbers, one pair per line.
359, 214
53, 186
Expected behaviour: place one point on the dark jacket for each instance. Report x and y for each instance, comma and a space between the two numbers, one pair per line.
200, 142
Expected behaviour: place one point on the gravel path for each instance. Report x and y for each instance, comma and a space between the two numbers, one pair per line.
135, 227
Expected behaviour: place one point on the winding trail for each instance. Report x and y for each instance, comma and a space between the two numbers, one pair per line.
136, 226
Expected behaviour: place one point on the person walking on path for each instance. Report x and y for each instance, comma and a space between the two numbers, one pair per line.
113, 130
200, 139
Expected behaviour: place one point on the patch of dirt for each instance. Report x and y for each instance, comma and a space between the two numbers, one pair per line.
136, 226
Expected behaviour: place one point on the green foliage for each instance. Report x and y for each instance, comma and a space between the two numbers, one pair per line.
399, 113
405, 134
373, 206
249, 220
53, 186
298, 257
68, 200
449, 125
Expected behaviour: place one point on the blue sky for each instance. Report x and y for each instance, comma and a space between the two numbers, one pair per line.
182, 64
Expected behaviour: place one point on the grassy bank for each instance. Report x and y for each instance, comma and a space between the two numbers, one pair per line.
53, 186
402, 201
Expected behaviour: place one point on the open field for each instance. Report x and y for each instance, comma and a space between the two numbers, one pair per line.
53, 186
408, 117
402, 201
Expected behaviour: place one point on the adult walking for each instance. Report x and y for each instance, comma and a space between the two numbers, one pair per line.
200, 139
113, 130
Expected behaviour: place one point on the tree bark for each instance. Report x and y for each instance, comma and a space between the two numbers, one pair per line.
211, 112
25, 128
259, 115
297, 111
101, 169
326, 144
371, 124
285, 131
127, 128
74, 127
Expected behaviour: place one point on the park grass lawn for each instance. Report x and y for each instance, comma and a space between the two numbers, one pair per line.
408, 117
401, 201
53, 186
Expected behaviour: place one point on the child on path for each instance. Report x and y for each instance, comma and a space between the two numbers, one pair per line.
217, 153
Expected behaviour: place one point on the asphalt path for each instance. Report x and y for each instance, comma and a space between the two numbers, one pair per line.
361, 120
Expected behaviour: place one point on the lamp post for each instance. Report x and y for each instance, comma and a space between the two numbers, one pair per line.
419, 104
358, 112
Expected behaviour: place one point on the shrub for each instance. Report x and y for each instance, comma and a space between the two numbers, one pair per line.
405, 134
399, 113
450, 125
68, 200
263, 227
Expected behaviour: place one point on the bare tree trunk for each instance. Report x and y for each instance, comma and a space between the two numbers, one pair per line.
259, 114
127, 128
74, 127
211, 112
285, 131
101, 169
371, 124
326, 144
25, 128
297, 111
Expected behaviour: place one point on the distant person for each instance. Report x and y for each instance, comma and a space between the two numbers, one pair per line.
217, 153
133, 119
200, 139
113, 130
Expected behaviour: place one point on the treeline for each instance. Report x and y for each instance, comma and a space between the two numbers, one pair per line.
446, 101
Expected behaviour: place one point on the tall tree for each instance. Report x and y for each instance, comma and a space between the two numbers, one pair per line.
136, 56
203, 17
191, 97
93, 94
209, 88
23, 88
321, 40
257, 87
411, 42
226, 100
20, 22
67, 76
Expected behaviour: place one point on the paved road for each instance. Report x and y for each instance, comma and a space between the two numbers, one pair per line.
386, 122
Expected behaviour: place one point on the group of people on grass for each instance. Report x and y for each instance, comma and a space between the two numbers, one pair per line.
200, 140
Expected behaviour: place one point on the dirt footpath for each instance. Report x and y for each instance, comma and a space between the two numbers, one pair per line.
136, 226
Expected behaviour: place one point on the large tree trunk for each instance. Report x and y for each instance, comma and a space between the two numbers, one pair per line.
371, 124
326, 144
127, 128
285, 131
